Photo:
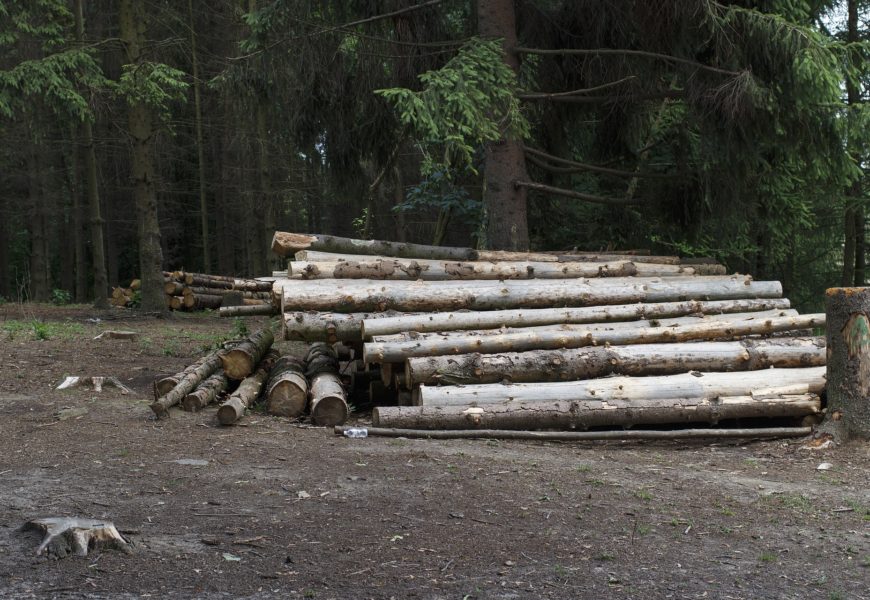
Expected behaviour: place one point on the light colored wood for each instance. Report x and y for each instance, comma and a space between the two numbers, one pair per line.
328, 401
240, 361
641, 359
253, 310
491, 319
631, 390
285, 244
247, 393
200, 301
187, 383
374, 352
328, 326
287, 390
206, 393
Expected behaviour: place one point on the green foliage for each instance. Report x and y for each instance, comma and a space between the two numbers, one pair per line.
156, 85
240, 328
40, 329
60, 297
135, 299
440, 190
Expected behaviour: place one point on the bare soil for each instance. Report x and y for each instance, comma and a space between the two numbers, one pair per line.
284, 510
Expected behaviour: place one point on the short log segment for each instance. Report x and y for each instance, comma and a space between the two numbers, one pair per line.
202, 301
376, 352
247, 393
589, 363
328, 400
188, 382
348, 296
848, 338
633, 390
582, 414
285, 244
455, 321
287, 389
254, 310
329, 327
207, 392
240, 362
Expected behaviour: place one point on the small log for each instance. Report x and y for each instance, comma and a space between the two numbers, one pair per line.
385, 324
118, 335
248, 391
174, 288
165, 385
586, 436
213, 291
632, 390
285, 244
287, 390
582, 414
328, 402
599, 361
240, 361
201, 301
329, 327
207, 392
176, 302
187, 382
254, 310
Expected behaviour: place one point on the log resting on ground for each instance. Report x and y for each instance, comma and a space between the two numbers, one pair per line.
328, 402
202, 301
285, 244
329, 327
248, 391
188, 382
287, 390
207, 392
253, 310
240, 362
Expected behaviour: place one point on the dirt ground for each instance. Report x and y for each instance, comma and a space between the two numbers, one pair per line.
284, 510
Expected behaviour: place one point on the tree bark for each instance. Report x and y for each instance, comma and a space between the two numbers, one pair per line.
285, 244
454, 321
133, 24
328, 404
166, 384
287, 389
229, 283
641, 359
207, 392
426, 296
200, 151
240, 361
248, 311
40, 280
581, 413
633, 390
328, 327
187, 384
515, 342
201, 301
248, 391
81, 270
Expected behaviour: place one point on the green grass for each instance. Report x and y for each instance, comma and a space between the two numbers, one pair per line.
643, 495
35, 329
767, 557
797, 502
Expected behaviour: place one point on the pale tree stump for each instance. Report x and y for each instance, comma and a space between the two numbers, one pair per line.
848, 364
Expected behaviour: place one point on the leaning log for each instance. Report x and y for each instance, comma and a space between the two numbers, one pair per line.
631, 390
285, 244
450, 321
589, 363
188, 383
585, 413
247, 393
349, 296
207, 392
253, 310
240, 362
374, 352
287, 389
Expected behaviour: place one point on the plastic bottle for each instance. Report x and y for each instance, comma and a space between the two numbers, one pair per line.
356, 432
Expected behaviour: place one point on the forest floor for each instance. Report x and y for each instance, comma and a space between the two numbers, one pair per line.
284, 510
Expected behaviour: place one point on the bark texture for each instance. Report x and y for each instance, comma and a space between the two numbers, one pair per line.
206, 393
285, 244
187, 384
240, 361
247, 393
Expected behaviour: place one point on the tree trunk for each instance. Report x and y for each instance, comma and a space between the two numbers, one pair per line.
426, 296
207, 392
287, 390
133, 24
504, 202
201, 301
582, 414
200, 151
630, 391
248, 391
328, 327
40, 282
240, 362
385, 324
81, 275
228, 283
848, 340
166, 384
328, 404
248, 311
267, 201
186, 384
589, 363
285, 244
517, 342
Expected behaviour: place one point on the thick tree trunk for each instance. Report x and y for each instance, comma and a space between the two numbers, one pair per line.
285, 244
425, 296
328, 327
207, 392
133, 24
267, 200
287, 390
200, 151
240, 361
40, 281
187, 384
455, 321
81, 271
630, 391
848, 340
248, 391
517, 342
582, 414
589, 363
328, 403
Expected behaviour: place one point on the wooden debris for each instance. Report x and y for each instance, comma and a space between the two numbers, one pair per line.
248, 391
65, 536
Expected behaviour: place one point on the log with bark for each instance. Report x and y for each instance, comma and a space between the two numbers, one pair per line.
165, 385
633, 389
450, 321
348, 296
287, 390
207, 392
259, 295
642, 359
240, 361
248, 391
585, 413
231, 283
253, 310
187, 382
374, 352
202, 301
328, 401
286, 244
330, 327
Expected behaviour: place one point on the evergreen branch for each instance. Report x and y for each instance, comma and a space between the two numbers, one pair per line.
623, 52
577, 195
598, 88
668, 94
572, 166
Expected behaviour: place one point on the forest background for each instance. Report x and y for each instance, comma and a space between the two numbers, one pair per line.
142, 135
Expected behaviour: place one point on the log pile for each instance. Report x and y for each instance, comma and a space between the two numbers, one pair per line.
456, 338
198, 291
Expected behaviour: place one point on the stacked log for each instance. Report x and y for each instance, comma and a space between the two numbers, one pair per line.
198, 291
552, 340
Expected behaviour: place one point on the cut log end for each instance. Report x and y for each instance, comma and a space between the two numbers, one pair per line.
286, 399
329, 411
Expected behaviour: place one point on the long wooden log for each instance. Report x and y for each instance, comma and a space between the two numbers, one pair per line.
247, 393
582, 414
631, 390
589, 363
328, 401
398, 269
285, 244
349, 296
165, 385
187, 383
230, 283
491, 319
585, 436
207, 392
189, 290
201, 301
240, 361
503, 256
329, 327
516, 342
173, 288
253, 310
287, 390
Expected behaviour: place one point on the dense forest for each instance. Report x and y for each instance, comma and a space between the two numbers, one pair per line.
141, 135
